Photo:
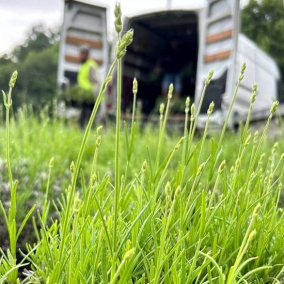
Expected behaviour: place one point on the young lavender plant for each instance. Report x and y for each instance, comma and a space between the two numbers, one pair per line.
11, 217
122, 44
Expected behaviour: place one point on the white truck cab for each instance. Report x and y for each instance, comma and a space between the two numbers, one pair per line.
210, 37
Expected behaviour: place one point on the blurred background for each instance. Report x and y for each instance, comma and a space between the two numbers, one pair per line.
30, 34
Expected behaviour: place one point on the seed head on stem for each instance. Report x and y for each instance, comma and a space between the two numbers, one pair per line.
125, 41
51, 162
243, 68
192, 112
256, 210
211, 108
209, 77
168, 190
129, 254
200, 169
118, 22
99, 129
98, 141
72, 167
248, 140
274, 107
187, 103
135, 86
221, 167
13, 79
144, 167
177, 192
170, 93
254, 93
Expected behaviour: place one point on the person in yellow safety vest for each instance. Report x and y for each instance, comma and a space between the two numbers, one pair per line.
88, 85
87, 77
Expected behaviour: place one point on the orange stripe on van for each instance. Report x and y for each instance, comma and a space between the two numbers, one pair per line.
219, 36
217, 56
83, 41
76, 59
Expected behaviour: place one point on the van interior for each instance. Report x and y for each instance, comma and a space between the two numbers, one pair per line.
153, 35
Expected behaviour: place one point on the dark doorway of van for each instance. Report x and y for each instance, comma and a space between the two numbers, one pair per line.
154, 33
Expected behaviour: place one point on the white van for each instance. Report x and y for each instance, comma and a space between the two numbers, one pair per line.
210, 38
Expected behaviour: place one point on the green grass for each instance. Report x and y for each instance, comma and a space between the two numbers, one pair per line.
34, 141
164, 231
133, 205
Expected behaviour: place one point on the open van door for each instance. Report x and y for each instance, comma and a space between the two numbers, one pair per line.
218, 47
83, 25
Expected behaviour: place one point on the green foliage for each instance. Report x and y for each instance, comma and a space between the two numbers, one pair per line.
166, 233
263, 22
36, 60
38, 39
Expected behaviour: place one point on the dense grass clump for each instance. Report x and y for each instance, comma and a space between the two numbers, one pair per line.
147, 207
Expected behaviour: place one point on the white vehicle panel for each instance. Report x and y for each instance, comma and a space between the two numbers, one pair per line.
261, 69
83, 24
218, 45
220, 26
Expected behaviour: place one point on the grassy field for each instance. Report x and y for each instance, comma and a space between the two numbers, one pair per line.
35, 141
127, 204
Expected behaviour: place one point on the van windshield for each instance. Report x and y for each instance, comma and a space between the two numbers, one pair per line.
164, 51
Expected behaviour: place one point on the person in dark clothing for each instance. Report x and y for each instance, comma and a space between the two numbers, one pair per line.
171, 63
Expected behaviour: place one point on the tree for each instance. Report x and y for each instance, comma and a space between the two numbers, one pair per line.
263, 22
36, 61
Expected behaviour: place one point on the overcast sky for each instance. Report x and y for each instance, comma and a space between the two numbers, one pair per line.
18, 16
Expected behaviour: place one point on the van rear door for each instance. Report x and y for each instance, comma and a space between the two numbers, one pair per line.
83, 25
218, 44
